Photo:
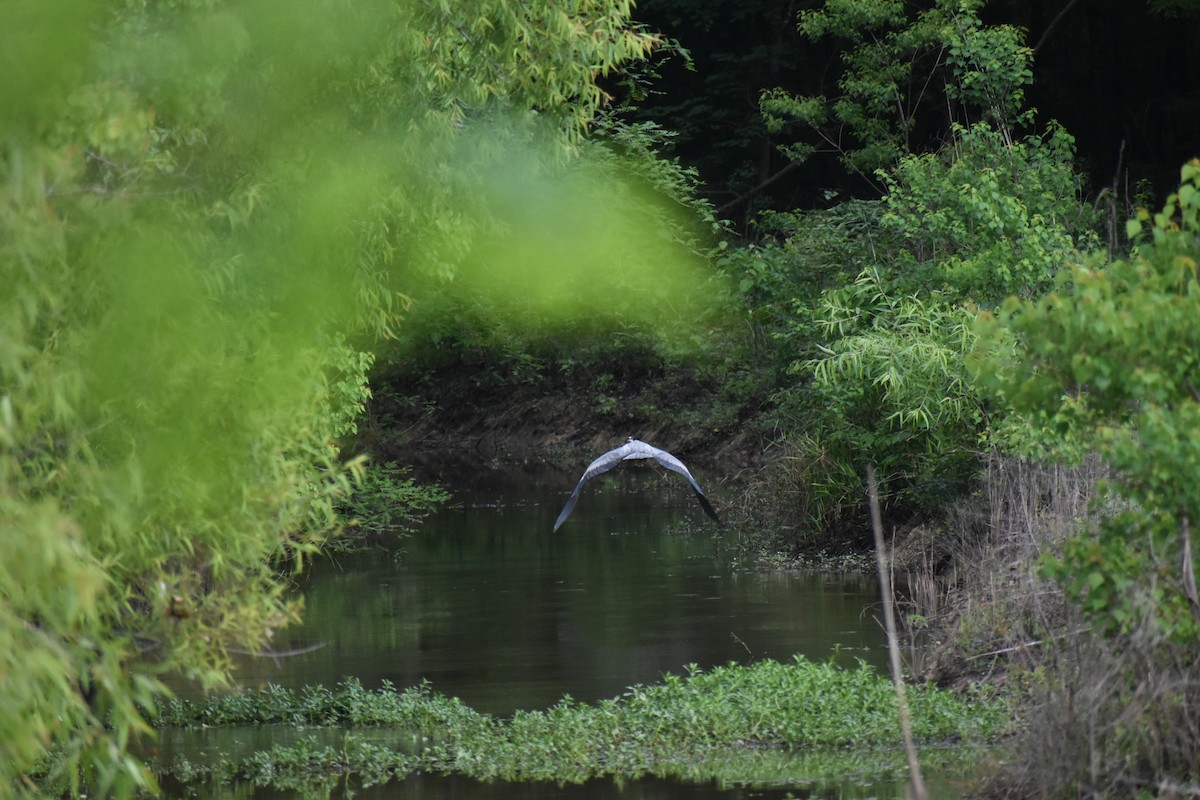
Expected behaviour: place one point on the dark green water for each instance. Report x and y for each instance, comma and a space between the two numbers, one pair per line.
490, 606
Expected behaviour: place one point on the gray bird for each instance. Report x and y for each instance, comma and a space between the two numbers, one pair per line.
633, 449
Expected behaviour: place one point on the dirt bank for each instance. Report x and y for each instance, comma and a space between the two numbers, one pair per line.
556, 416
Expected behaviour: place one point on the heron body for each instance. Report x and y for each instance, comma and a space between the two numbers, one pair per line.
633, 449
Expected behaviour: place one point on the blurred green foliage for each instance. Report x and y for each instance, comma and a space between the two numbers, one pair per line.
612, 248
209, 212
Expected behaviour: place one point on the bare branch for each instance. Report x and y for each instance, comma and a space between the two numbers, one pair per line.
889, 617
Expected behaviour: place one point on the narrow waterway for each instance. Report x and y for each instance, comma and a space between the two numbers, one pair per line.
487, 604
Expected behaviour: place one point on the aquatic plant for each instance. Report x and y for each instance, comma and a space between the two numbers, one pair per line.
388, 501
663, 729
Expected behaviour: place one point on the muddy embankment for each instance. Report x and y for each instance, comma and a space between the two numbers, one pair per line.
559, 418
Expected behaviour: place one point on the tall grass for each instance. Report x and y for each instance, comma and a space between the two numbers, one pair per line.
1103, 716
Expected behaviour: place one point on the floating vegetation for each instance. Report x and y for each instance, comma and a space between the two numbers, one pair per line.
706, 725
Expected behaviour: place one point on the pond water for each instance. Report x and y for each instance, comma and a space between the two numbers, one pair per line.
487, 604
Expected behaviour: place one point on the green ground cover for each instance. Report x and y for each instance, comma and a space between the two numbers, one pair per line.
707, 725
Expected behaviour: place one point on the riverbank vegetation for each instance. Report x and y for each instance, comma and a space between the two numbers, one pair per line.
240, 245
1017, 364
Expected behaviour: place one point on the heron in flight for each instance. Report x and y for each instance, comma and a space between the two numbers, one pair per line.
633, 449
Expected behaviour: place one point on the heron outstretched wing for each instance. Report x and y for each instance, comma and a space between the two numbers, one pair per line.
602, 464
672, 463
633, 449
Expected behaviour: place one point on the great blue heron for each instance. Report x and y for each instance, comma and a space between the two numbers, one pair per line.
633, 449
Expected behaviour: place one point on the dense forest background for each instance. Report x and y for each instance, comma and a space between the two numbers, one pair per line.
1121, 77
247, 247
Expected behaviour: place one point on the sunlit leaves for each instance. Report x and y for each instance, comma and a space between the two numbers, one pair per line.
991, 66
997, 217
903, 72
542, 56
